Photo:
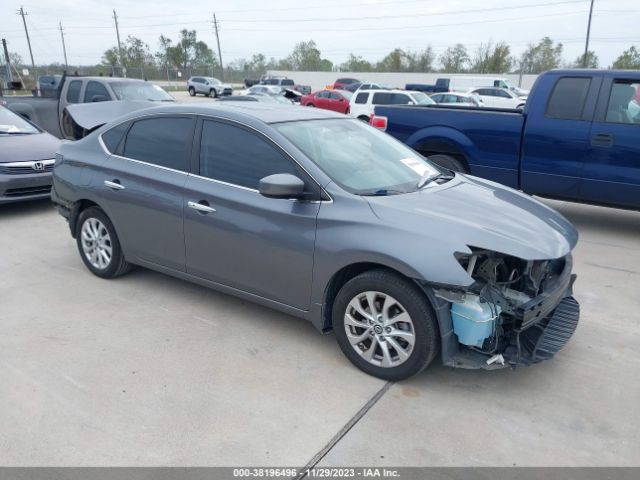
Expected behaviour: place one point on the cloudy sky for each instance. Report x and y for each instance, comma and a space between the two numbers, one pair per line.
370, 28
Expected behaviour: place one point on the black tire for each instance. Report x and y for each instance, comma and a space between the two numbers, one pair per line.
448, 162
364, 118
70, 129
118, 265
310, 105
416, 304
192, 91
213, 93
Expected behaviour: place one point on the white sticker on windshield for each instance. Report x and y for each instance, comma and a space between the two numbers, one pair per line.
416, 165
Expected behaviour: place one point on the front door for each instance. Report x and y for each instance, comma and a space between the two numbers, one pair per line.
142, 188
612, 170
236, 237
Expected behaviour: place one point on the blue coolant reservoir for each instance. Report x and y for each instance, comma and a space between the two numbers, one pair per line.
474, 321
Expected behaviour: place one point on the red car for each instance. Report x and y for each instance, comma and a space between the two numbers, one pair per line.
336, 100
344, 82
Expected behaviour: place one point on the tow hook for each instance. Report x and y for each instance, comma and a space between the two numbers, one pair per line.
499, 359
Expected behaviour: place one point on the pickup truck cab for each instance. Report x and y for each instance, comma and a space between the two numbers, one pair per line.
50, 113
576, 139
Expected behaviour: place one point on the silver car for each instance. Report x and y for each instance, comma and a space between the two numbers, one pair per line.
209, 86
323, 217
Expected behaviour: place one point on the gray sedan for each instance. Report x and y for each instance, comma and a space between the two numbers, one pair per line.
26, 159
325, 218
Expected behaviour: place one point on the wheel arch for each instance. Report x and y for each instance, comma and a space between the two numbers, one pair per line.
78, 207
443, 140
346, 273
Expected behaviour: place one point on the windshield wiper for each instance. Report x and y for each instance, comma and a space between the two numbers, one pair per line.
427, 178
15, 133
382, 192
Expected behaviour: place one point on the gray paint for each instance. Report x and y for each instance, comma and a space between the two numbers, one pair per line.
284, 253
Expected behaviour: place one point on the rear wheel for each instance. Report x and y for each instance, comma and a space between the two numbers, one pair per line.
385, 325
310, 105
98, 244
364, 118
448, 162
192, 91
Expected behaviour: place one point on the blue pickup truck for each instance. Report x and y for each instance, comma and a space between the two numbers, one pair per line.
577, 138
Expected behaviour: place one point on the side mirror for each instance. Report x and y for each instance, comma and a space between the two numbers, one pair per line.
99, 98
281, 185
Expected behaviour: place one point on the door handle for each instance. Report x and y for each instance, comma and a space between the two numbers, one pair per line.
602, 140
201, 207
115, 184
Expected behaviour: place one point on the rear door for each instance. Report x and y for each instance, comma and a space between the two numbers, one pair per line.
322, 100
142, 188
612, 170
337, 102
238, 238
556, 140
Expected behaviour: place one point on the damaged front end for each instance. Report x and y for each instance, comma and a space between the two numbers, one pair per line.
517, 312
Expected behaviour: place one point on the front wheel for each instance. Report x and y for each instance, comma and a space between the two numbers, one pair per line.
385, 325
213, 93
98, 244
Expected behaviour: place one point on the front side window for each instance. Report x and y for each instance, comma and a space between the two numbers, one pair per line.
568, 98
624, 102
73, 91
234, 155
163, 141
359, 158
323, 94
95, 91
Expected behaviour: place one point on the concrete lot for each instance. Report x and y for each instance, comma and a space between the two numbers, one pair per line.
150, 370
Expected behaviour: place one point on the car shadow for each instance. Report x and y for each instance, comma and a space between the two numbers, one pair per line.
20, 209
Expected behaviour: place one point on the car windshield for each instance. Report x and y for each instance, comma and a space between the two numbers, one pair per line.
12, 124
359, 158
422, 98
140, 91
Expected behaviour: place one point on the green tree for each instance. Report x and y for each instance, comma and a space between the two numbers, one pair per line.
421, 61
306, 57
455, 59
355, 63
395, 61
135, 53
629, 59
591, 61
491, 59
541, 57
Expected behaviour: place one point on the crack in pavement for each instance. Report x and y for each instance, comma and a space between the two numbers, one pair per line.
344, 430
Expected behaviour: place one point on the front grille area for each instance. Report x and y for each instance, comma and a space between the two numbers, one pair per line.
24, 169
227, 91
28, 191
543, 340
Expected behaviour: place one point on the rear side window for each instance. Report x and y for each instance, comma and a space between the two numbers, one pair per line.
162, 141
93, 90
568, 98
73, 91
323, 94
362, 98
335, 96
112, 138
400, 99
624, 102
237, 156
287, 82
381, 98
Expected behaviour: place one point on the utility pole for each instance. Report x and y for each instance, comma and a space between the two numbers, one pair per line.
8, 62
215, 26
22, 13
124, 70
586, 45
64, 47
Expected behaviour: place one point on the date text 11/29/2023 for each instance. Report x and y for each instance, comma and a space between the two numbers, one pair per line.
316, 472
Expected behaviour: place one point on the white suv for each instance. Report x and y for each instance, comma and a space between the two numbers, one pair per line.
363, 103
498, 97
209, 86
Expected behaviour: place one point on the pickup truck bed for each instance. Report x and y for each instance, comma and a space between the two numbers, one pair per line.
578, 137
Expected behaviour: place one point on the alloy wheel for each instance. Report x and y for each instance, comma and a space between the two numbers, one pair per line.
96, 243
380, 329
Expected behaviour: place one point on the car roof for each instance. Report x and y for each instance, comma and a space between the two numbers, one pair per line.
264, 112
108, 79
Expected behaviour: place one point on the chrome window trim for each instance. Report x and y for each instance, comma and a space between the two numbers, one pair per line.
28, 163
216, 117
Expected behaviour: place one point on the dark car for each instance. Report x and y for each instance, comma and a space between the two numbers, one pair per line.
319, 215
27, 154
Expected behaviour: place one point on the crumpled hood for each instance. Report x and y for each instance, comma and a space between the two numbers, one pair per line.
469, 211
27, 148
